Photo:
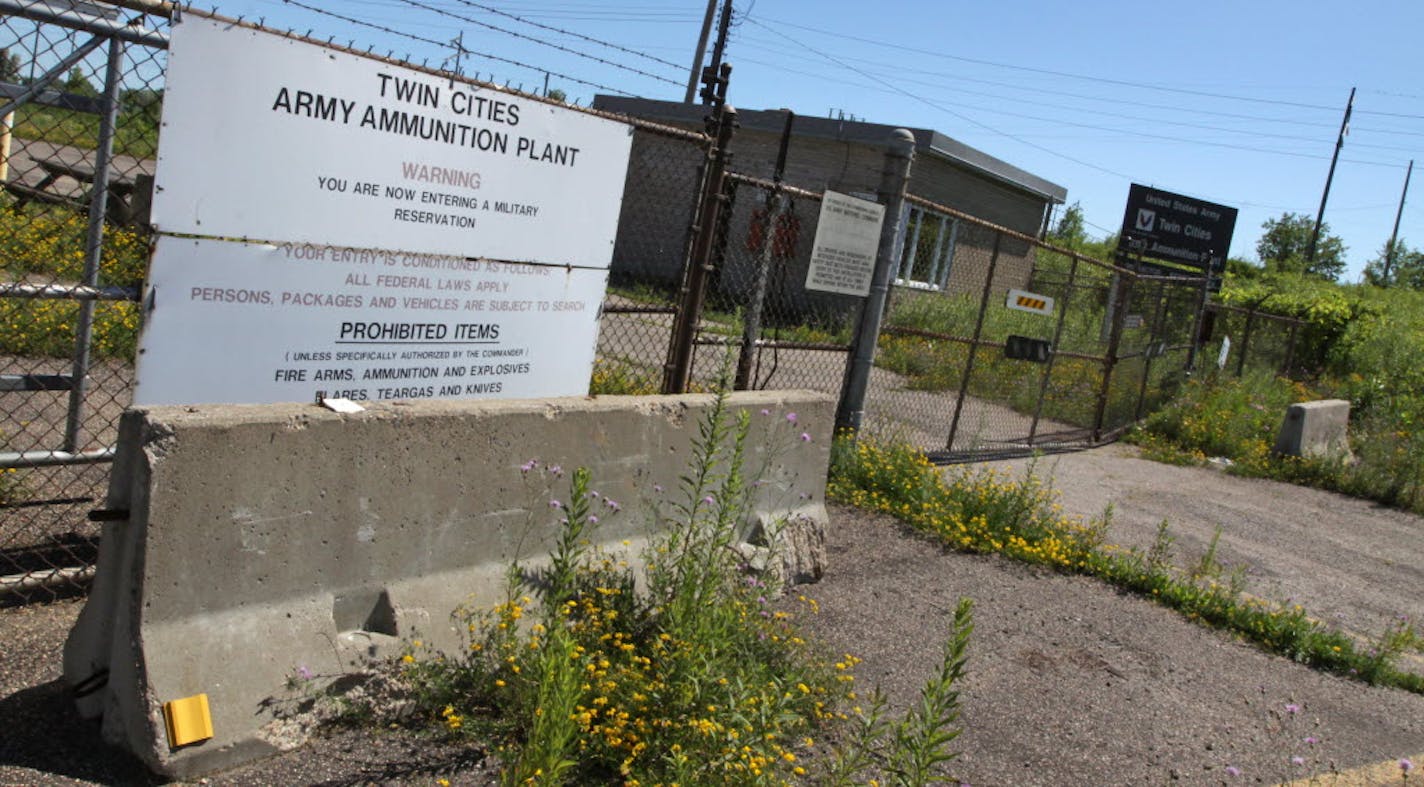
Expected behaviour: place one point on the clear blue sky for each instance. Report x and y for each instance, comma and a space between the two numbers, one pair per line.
1235, 102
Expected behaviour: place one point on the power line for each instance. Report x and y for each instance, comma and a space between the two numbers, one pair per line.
1105, 80
1154, 120
1066, 94
1163, 137
446, 45
540, 41
589, 39
940, 107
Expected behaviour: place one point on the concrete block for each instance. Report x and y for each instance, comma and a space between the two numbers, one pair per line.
261, 540
1315, 429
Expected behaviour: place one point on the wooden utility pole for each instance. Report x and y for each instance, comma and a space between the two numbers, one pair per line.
1339, 143
696, 73
1389, 250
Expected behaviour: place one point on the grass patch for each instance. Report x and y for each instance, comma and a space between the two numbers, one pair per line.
1238, 418
985, 511
136, 133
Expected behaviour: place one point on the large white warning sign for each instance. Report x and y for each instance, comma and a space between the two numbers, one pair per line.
353, 229
275, 139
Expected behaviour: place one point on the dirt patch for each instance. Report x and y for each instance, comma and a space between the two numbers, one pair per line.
1070, 682
1349, 562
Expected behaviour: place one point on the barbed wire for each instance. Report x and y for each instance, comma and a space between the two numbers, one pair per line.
446, 45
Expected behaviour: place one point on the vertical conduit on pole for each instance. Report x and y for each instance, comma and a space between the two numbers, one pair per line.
894, 178
678, 370
94, 243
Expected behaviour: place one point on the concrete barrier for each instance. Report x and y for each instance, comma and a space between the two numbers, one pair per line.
254, 541
1317, 428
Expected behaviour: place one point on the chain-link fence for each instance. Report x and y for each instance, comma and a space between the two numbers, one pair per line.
993, 343
82, 88
1252, 339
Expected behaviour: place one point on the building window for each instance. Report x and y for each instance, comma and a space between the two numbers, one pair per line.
928, 252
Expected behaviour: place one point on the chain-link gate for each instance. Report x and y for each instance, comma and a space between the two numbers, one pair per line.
996, 344
650, 254
82, 88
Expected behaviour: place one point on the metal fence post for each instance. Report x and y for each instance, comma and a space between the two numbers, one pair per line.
1057, 339
974, 343
94, 242
1154, 344
1245, 342
1110, 358
1290, 349
678, 370
894, 178
751, 325
1194, 348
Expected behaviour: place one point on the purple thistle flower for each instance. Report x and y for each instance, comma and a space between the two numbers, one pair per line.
556, 470
592, 520
613, 504
304, 673
791, 418
530, 465
1311, 741
765, 411
593, 494
1292, 708
1405, 765
709, 500
805, 437
1297, 760
555, 504
1232, 770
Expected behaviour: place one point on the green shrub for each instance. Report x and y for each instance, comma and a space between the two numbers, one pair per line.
684, 672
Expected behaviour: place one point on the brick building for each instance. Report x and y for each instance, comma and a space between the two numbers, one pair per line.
827, 153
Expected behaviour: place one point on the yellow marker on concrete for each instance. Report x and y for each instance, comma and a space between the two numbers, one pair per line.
188, 720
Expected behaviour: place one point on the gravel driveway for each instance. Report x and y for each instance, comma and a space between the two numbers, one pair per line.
1070, 683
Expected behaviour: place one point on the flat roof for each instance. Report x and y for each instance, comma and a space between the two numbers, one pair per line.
774, 120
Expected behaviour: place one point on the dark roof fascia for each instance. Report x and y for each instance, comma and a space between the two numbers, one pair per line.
773, 120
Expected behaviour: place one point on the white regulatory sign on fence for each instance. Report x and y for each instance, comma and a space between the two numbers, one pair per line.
847, 238
254, 323
270, 138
